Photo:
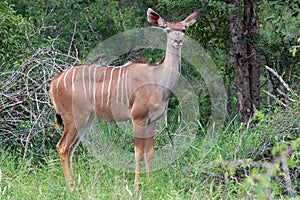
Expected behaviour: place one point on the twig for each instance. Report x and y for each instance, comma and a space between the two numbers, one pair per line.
72, 39
282, 159
17, 103
166, 127
277, 100
282, 81
287, 177
69, 56
285, 95
239, 145
24, 100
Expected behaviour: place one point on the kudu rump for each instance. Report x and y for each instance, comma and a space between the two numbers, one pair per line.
137, 92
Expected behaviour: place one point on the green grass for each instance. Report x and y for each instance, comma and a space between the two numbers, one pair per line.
25, 180
240, 165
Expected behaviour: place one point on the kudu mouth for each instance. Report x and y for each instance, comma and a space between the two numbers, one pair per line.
177, 43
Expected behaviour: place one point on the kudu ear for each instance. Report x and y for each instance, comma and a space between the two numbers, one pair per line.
190, 20
155, 19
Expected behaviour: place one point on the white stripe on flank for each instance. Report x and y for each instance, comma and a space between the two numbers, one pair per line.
122, 86
129, 88
103, 85
65, 77
126, 89
73, 80
120, 70
58, 81
95, 84
90, 82
109, 85
83, 81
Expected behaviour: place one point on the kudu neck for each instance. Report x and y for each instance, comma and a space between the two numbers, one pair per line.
172, 57
170, 69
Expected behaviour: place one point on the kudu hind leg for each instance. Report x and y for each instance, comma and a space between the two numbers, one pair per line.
71, 137
65, 149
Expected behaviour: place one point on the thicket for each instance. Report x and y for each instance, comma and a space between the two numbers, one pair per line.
39, 39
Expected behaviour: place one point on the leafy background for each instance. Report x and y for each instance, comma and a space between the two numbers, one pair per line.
41, 38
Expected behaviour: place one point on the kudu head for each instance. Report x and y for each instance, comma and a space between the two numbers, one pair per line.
175, 30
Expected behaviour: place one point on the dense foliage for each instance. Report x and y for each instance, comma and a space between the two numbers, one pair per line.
39, 39
14, 30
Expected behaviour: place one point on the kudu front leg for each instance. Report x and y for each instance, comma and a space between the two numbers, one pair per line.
139, 156
148, 153
144, 148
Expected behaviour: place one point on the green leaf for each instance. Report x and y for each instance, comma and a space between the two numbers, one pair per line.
293, 51
278, 149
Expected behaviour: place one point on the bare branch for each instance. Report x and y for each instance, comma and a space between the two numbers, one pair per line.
24, 101
285, 95
282, 81
73, 36
276, 99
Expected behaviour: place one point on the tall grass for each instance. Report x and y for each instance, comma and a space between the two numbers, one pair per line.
243, 164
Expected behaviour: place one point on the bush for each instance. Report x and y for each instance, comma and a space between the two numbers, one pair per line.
13, 32
26, 122
262, 161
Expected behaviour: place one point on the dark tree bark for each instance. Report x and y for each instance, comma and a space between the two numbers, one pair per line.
243, 32
251, 22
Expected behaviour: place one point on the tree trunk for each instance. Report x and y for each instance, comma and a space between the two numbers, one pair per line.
243, 33
251, 23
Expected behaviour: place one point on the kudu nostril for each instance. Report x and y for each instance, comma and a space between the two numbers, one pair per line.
178, 41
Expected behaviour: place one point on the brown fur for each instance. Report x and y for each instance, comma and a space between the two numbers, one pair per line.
135, 92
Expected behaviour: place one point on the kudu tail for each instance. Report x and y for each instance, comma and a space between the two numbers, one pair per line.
59, 120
